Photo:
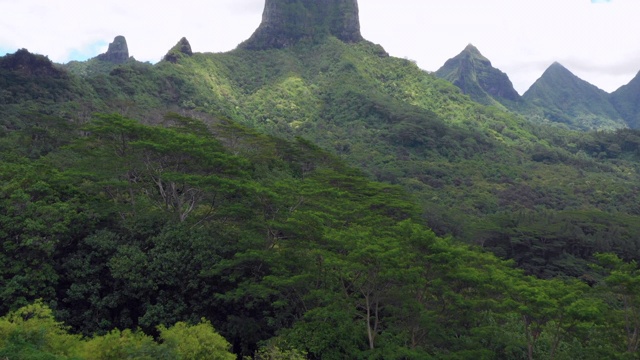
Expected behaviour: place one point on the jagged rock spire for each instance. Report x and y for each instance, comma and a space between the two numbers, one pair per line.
286, 22
118, 51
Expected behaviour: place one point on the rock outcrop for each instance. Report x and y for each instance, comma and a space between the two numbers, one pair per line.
182, 48
286, 22
118, 52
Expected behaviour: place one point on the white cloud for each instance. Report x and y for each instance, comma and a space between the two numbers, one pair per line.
595, 41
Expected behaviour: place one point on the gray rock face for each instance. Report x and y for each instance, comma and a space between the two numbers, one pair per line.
118, 51
286, 22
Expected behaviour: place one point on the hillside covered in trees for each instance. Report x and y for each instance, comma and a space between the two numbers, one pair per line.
310, 197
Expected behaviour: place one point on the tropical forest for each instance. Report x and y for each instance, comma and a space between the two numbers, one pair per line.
308, 196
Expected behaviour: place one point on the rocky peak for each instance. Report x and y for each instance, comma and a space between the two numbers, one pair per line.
182, 48
118, 51
286, 22
557, 75
556, 67
476, 77
470, 49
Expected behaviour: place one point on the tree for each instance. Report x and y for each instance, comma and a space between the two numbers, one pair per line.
196, 342
181, 172
622, 281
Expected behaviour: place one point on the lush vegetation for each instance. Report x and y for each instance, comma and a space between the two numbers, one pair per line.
474, 75
561, 97
558, 98
320, 201
278, 244
466, 163
32, 332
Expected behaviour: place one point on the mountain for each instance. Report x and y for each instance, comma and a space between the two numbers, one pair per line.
627, 101
182, 48
285, 22
565, 98
117, 54
558, 97
311, 197
476, 77
465, 163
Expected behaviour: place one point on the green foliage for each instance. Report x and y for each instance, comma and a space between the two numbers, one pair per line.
280, 244
196, 342
31, 332
286, 250
403, 126
625, 102
562, 97
125, 344
547, 244
396, 122
474, 75
275, 352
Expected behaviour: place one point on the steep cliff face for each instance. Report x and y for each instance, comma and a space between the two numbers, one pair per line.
286, 22
118, 51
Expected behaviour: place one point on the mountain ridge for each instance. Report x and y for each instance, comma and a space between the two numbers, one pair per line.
285, 194
558, 97
474, 74
565, 98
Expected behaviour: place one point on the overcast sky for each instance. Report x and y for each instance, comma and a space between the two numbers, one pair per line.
598, 40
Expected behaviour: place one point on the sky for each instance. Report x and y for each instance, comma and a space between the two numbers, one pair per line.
598, 40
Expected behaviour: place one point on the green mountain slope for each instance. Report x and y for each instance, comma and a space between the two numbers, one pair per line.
565, 98
315, 197
626, 100
468, 165
474, 75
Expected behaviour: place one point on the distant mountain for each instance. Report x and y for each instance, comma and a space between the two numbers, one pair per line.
181, 49
474, 74
117, 54
565, 98
118, 51
238, 205
627, 101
